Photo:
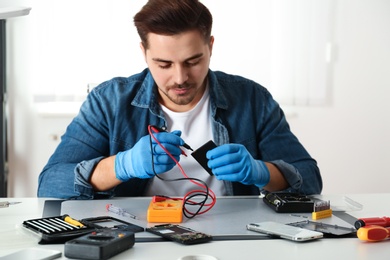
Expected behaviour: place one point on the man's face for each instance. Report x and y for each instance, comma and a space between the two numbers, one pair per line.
179, 65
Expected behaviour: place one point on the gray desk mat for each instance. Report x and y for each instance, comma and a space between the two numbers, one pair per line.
226, 220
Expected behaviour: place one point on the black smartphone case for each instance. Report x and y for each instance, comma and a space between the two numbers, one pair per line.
200, 155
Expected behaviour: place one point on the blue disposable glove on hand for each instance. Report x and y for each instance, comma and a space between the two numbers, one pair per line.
137, 161
233, 162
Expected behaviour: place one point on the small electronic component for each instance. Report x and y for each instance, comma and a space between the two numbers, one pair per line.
162, 209
180, 234
288, 202
321, 210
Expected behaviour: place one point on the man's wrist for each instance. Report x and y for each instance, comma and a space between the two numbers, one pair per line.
120, 170
263, 174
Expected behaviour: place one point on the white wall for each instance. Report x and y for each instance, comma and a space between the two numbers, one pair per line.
349, 137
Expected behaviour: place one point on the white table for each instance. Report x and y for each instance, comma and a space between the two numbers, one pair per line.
13, 238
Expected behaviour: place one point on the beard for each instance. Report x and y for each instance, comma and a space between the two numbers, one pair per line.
180, 94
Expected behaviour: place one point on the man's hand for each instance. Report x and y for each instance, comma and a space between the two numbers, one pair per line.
232, 162
137, 161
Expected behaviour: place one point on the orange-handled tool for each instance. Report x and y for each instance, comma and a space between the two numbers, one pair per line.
373, 233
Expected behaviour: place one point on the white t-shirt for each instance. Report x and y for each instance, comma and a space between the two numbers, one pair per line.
196, 131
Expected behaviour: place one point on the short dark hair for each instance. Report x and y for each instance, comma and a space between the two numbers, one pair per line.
170, 17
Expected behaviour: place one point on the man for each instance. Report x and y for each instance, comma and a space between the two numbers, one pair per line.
107, 150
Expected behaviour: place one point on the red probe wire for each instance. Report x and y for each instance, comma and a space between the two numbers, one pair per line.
187, 199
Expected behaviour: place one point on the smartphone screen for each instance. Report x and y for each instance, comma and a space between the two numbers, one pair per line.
284, 231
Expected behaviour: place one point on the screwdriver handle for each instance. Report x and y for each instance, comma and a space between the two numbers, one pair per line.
373, 233
378, 221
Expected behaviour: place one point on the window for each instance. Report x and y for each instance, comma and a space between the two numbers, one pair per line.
283, 45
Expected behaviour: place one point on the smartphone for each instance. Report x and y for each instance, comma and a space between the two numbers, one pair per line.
200, 155
180, 234
284, 231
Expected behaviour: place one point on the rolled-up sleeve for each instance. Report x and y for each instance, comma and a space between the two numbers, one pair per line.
82, 184
84, 144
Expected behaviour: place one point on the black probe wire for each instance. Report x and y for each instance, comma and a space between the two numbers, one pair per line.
187, 199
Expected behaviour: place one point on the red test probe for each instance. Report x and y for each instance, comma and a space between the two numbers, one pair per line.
158, 130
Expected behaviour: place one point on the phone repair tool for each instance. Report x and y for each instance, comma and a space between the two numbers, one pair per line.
162, 209
5, 204
159, 130
383, 222
72, 221
55, 229
373, 233
119, 211
321, 210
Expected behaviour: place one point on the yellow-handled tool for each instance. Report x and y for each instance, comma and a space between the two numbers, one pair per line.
72, 221
373, 233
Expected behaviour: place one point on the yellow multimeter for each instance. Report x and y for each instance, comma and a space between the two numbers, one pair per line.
162, 209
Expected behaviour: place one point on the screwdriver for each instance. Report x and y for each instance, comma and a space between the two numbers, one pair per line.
373, 233
383, 221
5, 204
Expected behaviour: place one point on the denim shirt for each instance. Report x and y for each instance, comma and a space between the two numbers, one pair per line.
116, 114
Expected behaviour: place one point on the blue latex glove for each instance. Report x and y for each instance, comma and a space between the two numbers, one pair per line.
233, 162
137, 161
